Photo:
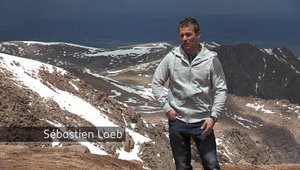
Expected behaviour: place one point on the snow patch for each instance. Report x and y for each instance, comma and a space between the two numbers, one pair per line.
243, 121
116, 93
9, 43
58, 43
75, 87
145, 93
93, 148
258, 107
226, 153
133, 154
136, 51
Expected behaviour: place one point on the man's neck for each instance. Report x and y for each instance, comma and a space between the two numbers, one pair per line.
194, 51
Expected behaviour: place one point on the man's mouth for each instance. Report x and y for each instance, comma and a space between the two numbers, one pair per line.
186, 44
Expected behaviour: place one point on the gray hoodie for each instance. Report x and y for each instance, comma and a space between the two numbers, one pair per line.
196, 90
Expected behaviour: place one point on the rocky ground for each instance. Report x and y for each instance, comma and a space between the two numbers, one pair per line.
77, 157
74, 157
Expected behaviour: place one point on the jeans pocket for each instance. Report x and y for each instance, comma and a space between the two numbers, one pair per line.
172, 120
173, 125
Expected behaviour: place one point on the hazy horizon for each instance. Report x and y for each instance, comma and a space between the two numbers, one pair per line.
267, 23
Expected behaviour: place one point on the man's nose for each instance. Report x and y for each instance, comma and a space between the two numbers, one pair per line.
184, 37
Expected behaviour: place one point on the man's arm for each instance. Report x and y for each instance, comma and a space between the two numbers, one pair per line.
219, 87
161, 75
220, 95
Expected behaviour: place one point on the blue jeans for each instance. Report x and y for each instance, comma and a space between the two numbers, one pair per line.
180, 139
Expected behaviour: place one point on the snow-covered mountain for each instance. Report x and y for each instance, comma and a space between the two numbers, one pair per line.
83, 89
96, 59
42, 95
123, 73
126, 72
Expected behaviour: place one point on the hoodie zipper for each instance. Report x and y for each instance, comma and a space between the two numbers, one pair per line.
190, 70
190, 73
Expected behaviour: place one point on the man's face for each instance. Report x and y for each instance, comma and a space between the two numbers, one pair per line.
188, 37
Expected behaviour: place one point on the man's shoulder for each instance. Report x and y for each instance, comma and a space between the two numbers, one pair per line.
208, 54
173, 53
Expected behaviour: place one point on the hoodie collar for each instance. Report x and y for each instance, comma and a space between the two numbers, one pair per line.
203, 55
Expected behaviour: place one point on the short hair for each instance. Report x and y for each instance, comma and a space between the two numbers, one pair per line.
189, 20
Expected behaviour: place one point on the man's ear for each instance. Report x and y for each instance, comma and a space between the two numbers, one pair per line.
199, 34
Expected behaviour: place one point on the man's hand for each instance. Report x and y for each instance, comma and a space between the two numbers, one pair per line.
172, 114
208, 126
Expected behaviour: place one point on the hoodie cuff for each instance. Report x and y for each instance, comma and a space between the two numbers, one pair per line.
215, 114
166, 107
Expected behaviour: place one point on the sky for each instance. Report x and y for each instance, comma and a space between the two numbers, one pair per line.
166, 8
100, 23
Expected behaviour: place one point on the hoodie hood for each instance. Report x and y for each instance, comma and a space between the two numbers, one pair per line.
203, 55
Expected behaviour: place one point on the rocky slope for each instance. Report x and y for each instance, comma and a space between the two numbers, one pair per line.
252, 132
98, 66
39, 95
265, 73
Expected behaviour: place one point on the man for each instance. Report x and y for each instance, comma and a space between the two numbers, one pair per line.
196, 96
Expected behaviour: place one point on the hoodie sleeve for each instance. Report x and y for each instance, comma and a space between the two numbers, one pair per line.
161, 75
219, 87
